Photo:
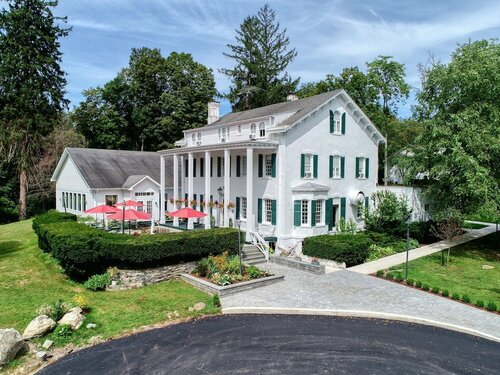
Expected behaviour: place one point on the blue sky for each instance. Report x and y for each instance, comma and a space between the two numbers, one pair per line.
328, 35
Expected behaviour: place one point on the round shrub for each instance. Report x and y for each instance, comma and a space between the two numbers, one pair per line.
399, 277
351, 249
445, 293
455, 296
390, 275
479, 303
435, 290
418, 284
380, 273
491, 306
465, 298
216, 300
410, 282
426, 287
98, 282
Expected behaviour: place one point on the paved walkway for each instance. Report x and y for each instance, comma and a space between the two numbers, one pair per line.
400, 258
354, 294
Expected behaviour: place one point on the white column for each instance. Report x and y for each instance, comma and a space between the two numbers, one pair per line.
250, 200
208, 182
162, 190
176, 186
227, 187
190, 185
281, 216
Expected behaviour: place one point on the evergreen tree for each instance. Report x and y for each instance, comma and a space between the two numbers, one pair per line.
32, 84
261, 56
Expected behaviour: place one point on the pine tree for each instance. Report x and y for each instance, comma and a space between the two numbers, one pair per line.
32, 83
261, 57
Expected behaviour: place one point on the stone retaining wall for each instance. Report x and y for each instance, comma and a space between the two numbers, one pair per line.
298, 264
136, 278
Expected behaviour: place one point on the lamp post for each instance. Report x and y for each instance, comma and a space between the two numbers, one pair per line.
407, 244
238, 223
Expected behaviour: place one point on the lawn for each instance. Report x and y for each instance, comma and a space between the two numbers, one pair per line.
468, 225
30, 278
464, 274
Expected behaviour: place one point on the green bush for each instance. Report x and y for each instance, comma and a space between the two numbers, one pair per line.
216, 300
64, 330
98, 282
455, 296
376, 252
465, 298
48, 218
491, 306
410, 282
396, 244
418, 284
399, 277
445, 293
435, 290
380, 273
253, 272
84, 251
422, 231
426, 287
351, 249
390, 275
479, 303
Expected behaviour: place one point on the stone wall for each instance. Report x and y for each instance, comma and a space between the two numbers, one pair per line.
136, 278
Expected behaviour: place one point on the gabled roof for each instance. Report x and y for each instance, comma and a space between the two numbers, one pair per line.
133, 180
106, 169
298, 107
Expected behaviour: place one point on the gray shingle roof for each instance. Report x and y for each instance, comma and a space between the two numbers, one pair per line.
117, 168
300, 107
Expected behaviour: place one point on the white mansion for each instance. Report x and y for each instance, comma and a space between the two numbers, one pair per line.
292, 169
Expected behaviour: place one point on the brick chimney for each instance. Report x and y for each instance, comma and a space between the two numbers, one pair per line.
213, 112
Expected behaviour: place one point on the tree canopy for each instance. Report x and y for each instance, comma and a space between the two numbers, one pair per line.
148, 104
261, 56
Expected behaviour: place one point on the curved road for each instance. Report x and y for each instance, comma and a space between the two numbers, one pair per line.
287, 344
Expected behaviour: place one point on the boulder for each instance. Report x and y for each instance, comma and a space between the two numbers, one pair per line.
91, 326
41, 356
47, 344
73, 318
11, 343
38, 327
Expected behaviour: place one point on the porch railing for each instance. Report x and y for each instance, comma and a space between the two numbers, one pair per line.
259, 243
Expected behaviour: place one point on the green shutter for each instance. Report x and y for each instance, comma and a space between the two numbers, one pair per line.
328, 213
273, 165
342, 167
367, 167
332, 122
219, 166
259, 210
331, 166
296, 213
357, 167
186, 168
302, 165
313, 213
342, 207
315, 166
238, 203
194, 167
238, 165
202, 167
261, 165
343, 123
273, 212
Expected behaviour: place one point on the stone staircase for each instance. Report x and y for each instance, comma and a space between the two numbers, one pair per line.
251, 255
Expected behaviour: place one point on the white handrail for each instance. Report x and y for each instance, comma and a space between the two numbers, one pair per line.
260, 243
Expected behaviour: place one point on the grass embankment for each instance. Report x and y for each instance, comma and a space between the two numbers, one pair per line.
30, 278
465, 273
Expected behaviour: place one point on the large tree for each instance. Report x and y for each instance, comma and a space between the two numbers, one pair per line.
261, 56
459, 106
148, 104
32, 84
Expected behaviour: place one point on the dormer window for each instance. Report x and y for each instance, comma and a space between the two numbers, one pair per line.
253, 129
199, 139
262, 130
223, 134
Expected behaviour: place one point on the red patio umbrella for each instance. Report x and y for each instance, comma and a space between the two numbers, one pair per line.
127, 203
187, 213
129, 215
101, 209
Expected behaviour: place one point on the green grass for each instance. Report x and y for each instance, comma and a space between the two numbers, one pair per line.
30, 278
468, 225
464, 274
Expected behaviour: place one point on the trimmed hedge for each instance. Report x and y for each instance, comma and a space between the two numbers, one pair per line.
84, 251
348, 248
47, 218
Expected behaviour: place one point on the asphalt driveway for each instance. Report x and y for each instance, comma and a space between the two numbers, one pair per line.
287, 344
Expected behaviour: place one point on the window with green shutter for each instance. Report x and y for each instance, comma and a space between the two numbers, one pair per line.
342, 207
261, 165
238, 203
297, 211
219, 166
357, 167
273, 165
367, 168
259, 210
273, 211
343, 123
315, 166
238, 165
313, 213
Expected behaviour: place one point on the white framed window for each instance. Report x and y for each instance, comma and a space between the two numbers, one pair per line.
243, 207
193, 139
268, 211
144, 193
253, 129
337, 127
304, 215
308, 165
269, 165
319, 212
262, 130
199, 139
336, 166
149, 207
111, 200
362, 167
222, 135
244, 166
140, 208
